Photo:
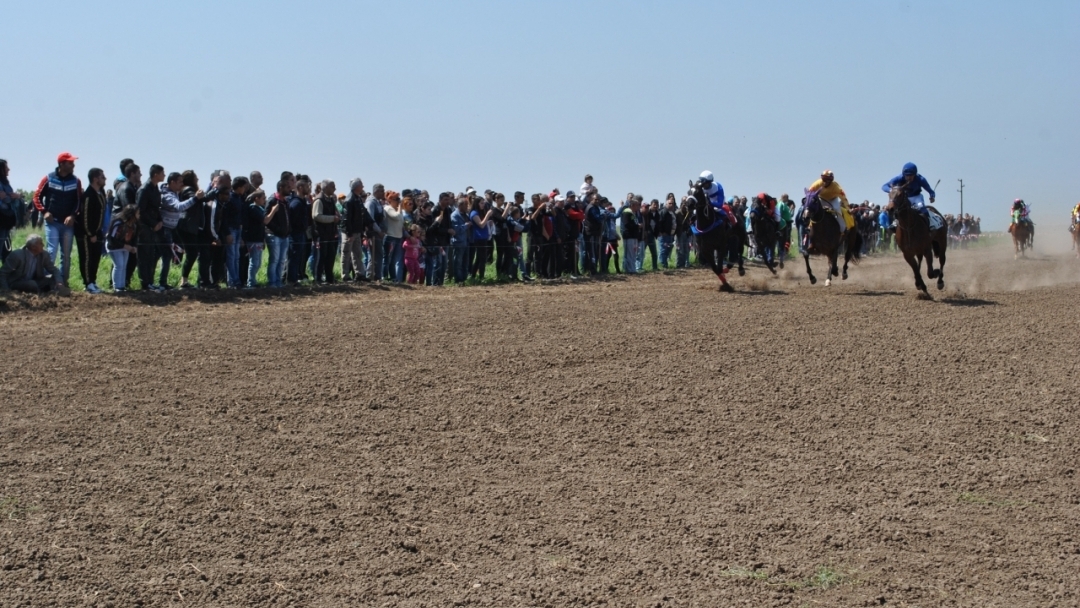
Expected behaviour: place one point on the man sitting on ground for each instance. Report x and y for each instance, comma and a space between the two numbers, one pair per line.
31, 270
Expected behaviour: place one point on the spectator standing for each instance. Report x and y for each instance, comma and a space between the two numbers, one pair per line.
11, 214
393, 254
357, 223
189, 230
126, 189
414, 255
90, 229
650, 219
232, 214
665, 230
438, 240
120, 241
278, 233
151, 227
459, 242
630, 220
609, 245
254, 234
593, 229
376, 236
172, 211
30, 269
216, 227
58, 198
326, 217
684, 235
480, 215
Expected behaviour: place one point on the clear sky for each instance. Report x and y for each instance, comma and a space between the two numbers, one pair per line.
529, 96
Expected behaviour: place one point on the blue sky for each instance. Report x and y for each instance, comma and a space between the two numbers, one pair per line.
533, 95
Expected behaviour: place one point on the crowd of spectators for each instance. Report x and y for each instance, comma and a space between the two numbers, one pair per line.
311, 232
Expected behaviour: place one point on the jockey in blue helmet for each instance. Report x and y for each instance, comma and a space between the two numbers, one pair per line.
913, 185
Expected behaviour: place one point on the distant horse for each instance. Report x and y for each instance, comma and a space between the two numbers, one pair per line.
1023, 235
711, 232
1076, 239
765, 229
824, 238
917, 241
737, 241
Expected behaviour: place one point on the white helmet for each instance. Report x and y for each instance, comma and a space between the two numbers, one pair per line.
707, 176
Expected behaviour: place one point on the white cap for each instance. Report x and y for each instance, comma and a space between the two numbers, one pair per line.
707, 176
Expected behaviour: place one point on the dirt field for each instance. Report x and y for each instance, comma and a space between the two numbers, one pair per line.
643, 442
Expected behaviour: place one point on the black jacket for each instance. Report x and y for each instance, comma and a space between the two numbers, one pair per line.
91, 218
279, 225
194, 218
439, 233
125, 195
357, 218
148, 199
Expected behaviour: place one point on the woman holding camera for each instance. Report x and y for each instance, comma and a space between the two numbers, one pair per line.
480, 218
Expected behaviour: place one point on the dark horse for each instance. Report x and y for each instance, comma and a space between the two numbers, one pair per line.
711, 232
1023, 235
917, 241
825, 239
766, 229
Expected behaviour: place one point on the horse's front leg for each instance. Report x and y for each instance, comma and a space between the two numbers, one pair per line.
930, 272
916, 268
809, 273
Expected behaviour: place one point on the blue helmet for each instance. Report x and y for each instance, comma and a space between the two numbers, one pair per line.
910, 169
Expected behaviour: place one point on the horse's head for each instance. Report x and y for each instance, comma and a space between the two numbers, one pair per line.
899, 204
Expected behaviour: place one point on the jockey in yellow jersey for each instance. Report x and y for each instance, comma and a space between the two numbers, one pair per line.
1075, 217
830, 193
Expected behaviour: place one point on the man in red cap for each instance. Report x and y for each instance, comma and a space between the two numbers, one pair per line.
58, 198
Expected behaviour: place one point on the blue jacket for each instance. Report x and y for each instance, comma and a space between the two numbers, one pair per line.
461, 225
915, 188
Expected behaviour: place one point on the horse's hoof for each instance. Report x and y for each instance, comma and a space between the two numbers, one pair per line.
941, 284
742, 271
828, 282
726, 287
844, 277
813, 280
923, 295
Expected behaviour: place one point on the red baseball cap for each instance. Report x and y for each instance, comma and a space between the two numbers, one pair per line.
66, 157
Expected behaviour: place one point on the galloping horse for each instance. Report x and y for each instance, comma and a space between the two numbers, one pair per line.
711, 232
765, 229
825, 239
917, 241
1023, 235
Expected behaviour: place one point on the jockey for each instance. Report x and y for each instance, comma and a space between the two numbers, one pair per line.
913, 185
1020, 213
830, 193
768, 204
1075, 217
715, 192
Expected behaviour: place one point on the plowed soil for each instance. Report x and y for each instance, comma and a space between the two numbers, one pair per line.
623, 442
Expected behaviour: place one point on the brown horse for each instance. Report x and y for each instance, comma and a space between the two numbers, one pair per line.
1023, 235
825, 239
917, 241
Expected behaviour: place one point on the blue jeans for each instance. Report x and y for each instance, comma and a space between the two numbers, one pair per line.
631, 250
232, 259
393, 259
59, 236
435, 265
459, 261
682, 250
279, 250
119, 268
255, 251
667, 243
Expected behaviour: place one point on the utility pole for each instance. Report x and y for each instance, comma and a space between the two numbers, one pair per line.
961, 197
